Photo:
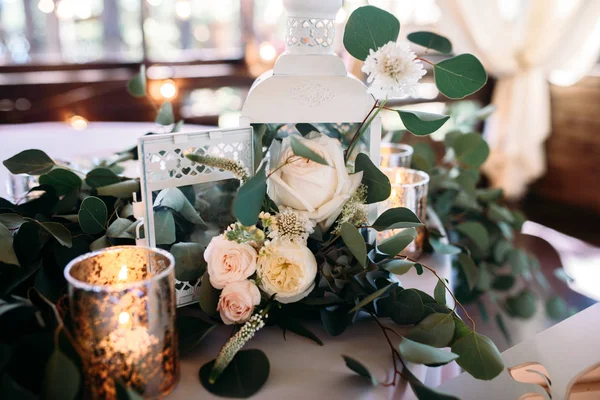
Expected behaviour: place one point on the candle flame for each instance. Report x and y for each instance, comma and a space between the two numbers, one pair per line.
122, 273
123, 318
398, 177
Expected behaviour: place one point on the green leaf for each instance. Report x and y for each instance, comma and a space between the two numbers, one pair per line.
305, 129
476, 232
478, 355
439, 293
7, 253
501, 251
209, 297
443, 248
469, 268
378, 184
518, 261
62, 378
398, 266
360, 369
191, 331
503, 282
124, 392
434, 330
165, 114
355, 242
123, 189
119, 229
32, 162
335, 320
423, 157
503, 329
369, 28
248, 202
369, 299
302, 150
62, 180
459, 76
419, 268
164, 227
500, 214
58, 231
293, 324
92, 215
175, 199
242, 378
11, 220
189, 261
177, 127
137, 85
393, 245
556, 308
68, 203
484, 278
99, 177
396, 218
420, 353
471, 149
431, 40
489, 195
99, 244
523, 305
421, 123
408, 308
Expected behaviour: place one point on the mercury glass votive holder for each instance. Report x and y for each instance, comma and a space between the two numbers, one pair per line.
122, 304
409, 190
395, 155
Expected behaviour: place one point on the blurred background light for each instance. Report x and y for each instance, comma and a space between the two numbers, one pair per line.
267, 51
77, 122
168, 90
46, 6
183, 9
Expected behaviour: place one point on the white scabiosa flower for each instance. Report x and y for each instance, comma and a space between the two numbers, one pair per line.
392, 71
290, 225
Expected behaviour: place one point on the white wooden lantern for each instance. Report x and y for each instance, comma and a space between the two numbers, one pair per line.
309, 83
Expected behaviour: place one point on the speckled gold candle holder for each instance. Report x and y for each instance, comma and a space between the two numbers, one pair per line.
122, 302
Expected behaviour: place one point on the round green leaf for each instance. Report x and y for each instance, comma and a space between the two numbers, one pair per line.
164, 227
302, 150
408, 308
360, 369
62, 180
137, 85
58, 231
469, 268
377, 183
7, 253
501, 251
443, 248
396, 218
209, 296
478, 355
459, 76
242, 378
62, 378
434, 330
471, 149
119, 229
557, 308
393, 245
92, 215
165, 114
398, 266
423, 157
503, 282
476, 232
101, 177
523, 305
355, 242
420, 353
431, 40
32, 162
369, 28
439, 293
249, 200
422, 123
370, 298
189, 261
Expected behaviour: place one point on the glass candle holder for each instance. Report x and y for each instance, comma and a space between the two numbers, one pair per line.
395, 155
409, 189
122, 303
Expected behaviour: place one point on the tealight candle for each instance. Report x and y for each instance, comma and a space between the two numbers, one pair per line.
122, 302
409, 189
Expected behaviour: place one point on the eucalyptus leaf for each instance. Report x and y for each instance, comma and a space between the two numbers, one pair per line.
377, 183
242, 378
100, 243
119, 229
423, 157
434, 330
189, 261
518, 261
68, 203
28, 242
62, 378
377, 294
302, 150
7, 253
164, 227
293, 324
355, 242
478, 355
501, 250
393, 245
191, 331
249, 200
123, 189
62, 180
369, 28
395, 218
439, 293
58, 231
165, 115
11, 220
503, 282
459, 76
522, 305
484, 277
557, 308
136, 86
469, 268
305, 129
408, 308
32, 162
476, 232
92, 215
208, 297
489, 195
99, 177
398, 266
443, 248
174, 199
420, 353
335, 320
431, 40
421, 123
360, 369
502, 327
471, 149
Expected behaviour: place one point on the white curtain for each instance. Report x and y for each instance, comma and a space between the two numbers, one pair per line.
524, 44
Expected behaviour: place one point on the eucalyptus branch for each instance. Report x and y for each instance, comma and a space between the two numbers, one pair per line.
395, 353
364, 121
424, 60
363, 128
286, 162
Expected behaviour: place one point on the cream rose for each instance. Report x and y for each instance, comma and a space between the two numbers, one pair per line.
229, 261
287, 270
317, 190
237, 302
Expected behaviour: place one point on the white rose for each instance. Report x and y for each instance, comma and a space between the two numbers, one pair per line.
319, 191
229, 261
288, 270
237, 302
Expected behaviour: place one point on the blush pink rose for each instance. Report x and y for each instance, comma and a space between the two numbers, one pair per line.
237, 302
229, 261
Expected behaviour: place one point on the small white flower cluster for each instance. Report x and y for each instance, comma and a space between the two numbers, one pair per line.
393, 71
239, 233
226, 164
235, 344
355, 210
288, 226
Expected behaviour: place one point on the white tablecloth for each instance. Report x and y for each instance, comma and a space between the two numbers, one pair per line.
301, 369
